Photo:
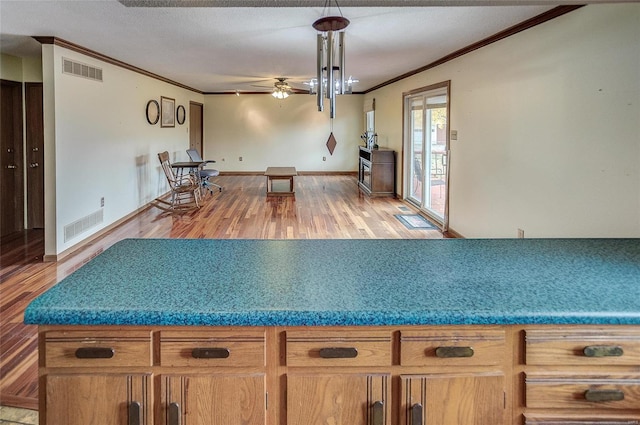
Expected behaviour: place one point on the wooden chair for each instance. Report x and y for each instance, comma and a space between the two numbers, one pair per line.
185, 190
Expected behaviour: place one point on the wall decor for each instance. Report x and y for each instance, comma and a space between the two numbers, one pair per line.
153, 112
168, 112
180, 114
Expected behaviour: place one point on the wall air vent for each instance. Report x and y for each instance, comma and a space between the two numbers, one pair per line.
85, 223
81, 70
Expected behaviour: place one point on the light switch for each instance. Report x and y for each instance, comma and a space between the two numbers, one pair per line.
454, 134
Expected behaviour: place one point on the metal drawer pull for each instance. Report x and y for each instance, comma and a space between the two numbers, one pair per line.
603, 351
449, 352
603, 395
338, 353
134, 413
95, 353
377, 413
416, 414
210, 353
174, 414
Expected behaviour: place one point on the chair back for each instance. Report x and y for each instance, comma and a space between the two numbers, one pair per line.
166, 167
194, 155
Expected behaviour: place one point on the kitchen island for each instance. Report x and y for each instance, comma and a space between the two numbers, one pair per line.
393, 332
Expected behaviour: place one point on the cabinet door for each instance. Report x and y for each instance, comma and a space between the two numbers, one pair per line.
105, 399
348, 399
214, 399
452, 399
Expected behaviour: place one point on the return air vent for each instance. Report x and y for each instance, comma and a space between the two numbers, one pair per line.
81, 70
85, 223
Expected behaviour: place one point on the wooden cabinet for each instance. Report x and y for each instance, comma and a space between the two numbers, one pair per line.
466, 381
220, 398
333, 379
581, 375
453, 399
81, 385
367, 375
377, 172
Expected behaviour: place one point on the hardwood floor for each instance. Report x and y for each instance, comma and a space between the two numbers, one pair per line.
325, 207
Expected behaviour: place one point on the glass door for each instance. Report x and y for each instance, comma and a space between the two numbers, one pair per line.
427, 144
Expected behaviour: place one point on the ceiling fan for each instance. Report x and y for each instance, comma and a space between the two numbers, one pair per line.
281, 89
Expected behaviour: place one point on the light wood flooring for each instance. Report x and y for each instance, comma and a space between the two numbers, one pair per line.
324, 207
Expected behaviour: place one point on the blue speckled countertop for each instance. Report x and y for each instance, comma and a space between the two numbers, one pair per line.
350, 282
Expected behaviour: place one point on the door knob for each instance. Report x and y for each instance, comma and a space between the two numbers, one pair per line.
11, 166
33, 165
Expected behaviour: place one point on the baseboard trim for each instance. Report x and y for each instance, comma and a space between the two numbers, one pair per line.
300, 173
98, 234
450, 233
19, 402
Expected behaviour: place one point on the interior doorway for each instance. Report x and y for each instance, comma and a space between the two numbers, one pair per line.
426, 147
11, 159
195, 125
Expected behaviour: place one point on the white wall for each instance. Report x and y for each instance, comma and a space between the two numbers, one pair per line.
291, 132
548, 128
20, 69
102, 144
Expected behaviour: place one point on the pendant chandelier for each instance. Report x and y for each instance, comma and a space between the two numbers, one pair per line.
327, 69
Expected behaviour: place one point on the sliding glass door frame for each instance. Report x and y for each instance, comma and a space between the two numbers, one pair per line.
414, 174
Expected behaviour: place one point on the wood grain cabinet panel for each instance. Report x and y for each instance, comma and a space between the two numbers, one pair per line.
452, 347
98, 349
592, 391
579, 420
338, 399
590, 346
453, 399
212, 348
237, 399
353, 348
105, 399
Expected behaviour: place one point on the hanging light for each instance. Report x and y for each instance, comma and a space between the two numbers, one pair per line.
281, 90
326, 67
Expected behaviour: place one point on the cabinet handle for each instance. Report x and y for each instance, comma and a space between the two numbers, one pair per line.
603, 351
450, 352
210, 353
416, 414
377, 413
95, 353
134, 413
174, 414
338, 352
604, 395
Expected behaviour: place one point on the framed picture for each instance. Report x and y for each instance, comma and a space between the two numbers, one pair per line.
153, 112
180, 114
168, 112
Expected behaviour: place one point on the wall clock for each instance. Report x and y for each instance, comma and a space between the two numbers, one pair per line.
153, 112
180, 114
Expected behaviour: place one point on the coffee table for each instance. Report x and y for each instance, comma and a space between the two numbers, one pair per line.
280, 173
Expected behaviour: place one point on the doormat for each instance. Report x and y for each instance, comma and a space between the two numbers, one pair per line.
414, 221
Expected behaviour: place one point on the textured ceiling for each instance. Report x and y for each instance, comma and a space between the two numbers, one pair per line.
217, 49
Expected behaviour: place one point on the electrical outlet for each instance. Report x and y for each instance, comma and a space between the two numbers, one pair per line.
520, 234
239, 158
102, 202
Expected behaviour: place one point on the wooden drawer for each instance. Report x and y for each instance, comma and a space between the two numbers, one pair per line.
582, 391
452, 347
98, 348
580, 419
212, 348
338, 348
595, 346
